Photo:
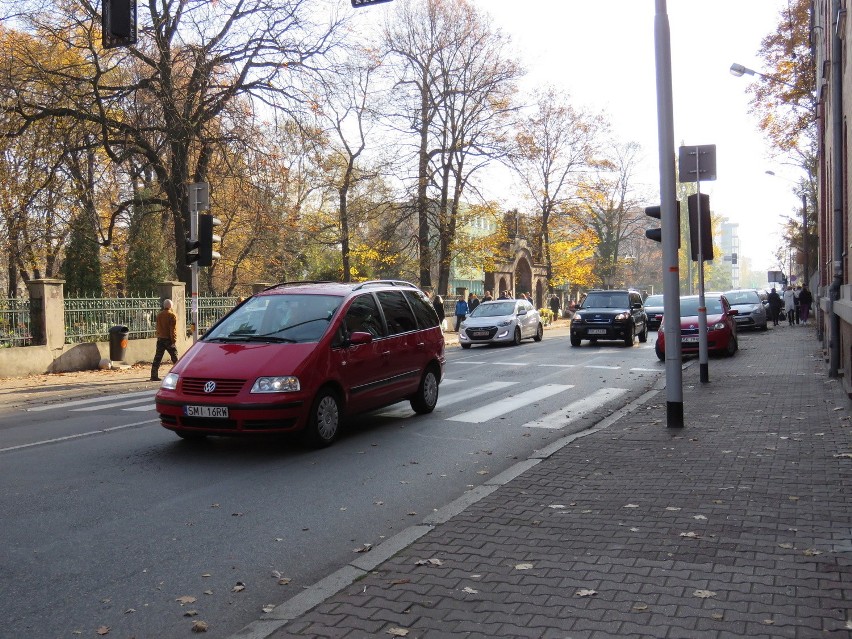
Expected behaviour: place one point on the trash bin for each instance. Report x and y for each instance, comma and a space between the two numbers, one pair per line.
118, 343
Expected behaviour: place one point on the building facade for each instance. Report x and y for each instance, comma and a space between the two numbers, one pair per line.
831, 32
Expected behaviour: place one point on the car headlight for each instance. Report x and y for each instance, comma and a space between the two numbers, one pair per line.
718, 326
621, 317
276, 385
170, 381
577, 318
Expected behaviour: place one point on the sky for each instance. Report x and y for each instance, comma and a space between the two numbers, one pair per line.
602, 54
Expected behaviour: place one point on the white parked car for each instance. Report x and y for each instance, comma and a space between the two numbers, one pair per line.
501, 321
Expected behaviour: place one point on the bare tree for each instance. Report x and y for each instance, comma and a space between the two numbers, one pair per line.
554, 145
168, 101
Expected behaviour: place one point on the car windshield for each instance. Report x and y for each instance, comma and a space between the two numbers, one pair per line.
689, 306
606, 300
494, 310
654, 300
277, 318
743, 297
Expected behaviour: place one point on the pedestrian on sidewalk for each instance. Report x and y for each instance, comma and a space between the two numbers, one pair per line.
487, 297
790, 305
166, 339
796, 292
555, 305
805, 301
438, 303
473, 302
775, 305
461, 311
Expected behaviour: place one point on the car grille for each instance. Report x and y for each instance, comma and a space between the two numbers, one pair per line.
604, 320
491, 332
689, 331
224, 387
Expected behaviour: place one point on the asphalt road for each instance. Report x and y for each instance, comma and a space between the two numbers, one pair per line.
110, 521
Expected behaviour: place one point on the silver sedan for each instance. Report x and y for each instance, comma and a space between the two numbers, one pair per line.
751, 313
501, 321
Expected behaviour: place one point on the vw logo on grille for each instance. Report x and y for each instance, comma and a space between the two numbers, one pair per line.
209, 387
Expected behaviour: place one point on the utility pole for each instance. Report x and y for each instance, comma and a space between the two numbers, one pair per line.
669, 217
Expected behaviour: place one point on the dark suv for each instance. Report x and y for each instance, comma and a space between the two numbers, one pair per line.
617, 314
301, 356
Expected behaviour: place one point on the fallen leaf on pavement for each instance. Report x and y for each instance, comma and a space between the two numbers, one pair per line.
199, 626
398, 632
469, 590
239, 587
785, 545
364, 548
672, 508
583, 592
103, 630
523, 567
190, 613
703, 594
556, 506
397, 582
690, 535
268, 608
284, 581
428, 562
631, 506
812, 552
186, 599
640, 607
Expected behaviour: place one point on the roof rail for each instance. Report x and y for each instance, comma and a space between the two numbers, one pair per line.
382, 283
297, 283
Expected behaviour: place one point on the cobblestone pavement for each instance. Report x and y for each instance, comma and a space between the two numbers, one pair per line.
737, 525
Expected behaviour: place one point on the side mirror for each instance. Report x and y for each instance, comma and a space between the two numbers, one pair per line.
733, 311
359, 337
522, 311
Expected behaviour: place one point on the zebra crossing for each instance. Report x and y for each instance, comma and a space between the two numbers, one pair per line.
498, 399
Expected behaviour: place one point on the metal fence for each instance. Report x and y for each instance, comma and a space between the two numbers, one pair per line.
15, 322
88, 319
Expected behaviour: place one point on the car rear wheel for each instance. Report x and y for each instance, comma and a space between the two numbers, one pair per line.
539, 333
660, 354
427, 393
576, 341
324, 419
517, 338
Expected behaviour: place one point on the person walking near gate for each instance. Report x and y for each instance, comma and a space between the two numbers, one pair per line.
166, 339
790, 305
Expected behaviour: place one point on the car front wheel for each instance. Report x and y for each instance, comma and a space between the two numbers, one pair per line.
324, 419
427, 393
576, 341
630, 337
539, 333
643, 336
517, 337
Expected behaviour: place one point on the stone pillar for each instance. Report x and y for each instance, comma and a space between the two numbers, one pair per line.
176, 292
47, 313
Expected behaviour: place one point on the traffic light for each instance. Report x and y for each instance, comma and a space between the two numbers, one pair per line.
705, 230
657, 233
190, 251
366, 3
733, 258
206, 238
118, 23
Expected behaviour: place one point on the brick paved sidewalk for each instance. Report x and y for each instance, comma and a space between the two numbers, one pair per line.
738, 525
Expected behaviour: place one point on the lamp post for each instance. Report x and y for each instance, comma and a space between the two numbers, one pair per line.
739, 71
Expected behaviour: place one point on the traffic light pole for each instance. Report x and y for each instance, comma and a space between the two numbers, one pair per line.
669, 218
704, 369
193, 236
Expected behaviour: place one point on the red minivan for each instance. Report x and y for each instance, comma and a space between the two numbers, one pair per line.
300, 356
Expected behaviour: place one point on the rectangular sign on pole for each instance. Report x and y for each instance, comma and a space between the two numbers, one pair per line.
199, 196
697, 163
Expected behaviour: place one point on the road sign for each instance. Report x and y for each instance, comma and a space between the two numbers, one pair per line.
697, 163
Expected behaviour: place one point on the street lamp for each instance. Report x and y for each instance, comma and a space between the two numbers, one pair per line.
740, 70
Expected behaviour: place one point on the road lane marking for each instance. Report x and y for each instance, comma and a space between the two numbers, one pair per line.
141, 409
78, 435
558, 365
127, 402
497, 363
503, 406
81, 402
452, 398
648, 370
575, 410
606, 368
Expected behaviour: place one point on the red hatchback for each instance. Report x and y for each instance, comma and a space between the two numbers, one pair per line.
721, 326
300, 356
